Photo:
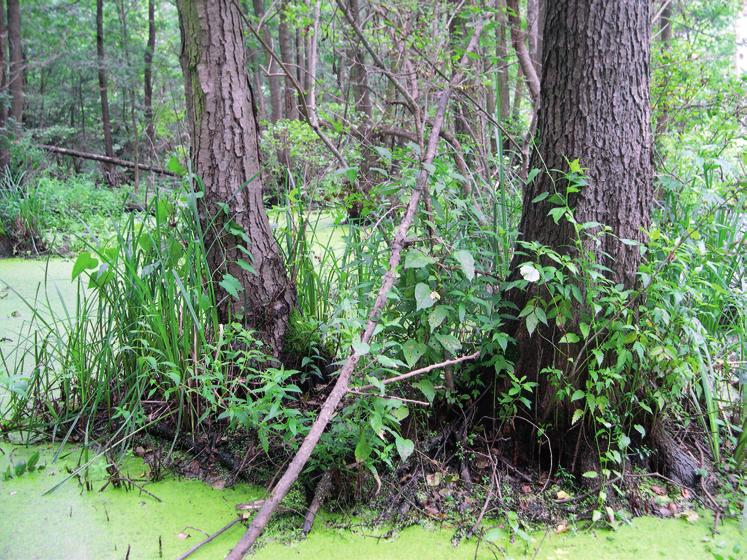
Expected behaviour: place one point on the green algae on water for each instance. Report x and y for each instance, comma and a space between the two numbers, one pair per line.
75, 523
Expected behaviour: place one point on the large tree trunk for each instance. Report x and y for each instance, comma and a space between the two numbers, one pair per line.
16, 61
103, 86
225, 154
594, 106
148, 76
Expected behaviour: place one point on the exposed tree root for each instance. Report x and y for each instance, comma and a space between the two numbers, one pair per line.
673, 459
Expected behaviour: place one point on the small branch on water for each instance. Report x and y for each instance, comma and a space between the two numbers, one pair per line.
107, 159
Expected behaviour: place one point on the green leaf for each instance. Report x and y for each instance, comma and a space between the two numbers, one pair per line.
467, 262
84, 262
405, 447
417, 259
532, 174
584, 328
426, 387
413, 351
532, 323
246, 266
363, 448
577, 415
578, 394
437, 316
401, 412
449, 342
569, 338
231, 285
540, 197
360, 347
575, 167
495, 534
387, 362
175, 166
423, 296
590, 474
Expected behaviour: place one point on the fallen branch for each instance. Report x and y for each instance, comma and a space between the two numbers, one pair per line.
322, 491
209, 539
341, 385
423, 370
107, 159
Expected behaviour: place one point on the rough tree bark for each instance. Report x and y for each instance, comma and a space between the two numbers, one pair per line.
15, 66
103, 86
595, 107
148, 75
225, 155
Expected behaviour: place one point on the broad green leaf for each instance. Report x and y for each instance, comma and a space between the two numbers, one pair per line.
449, 342
574, 166
426, 387
423, 296
387, 362
467, 262
405, 447
437, 316
590, 474
360, 347
231, 285
413, 351
363, 448
569, 338
532, 322
417, 259
84, 262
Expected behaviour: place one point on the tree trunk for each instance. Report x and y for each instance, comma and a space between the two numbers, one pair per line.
4, 157
103, 87
15, 67
594, 106
501, 54
274, 80
225, 155
286, 55
148, 76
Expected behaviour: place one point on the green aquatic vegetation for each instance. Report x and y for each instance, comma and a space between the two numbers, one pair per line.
79, 521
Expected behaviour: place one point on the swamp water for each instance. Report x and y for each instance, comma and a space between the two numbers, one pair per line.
76, 523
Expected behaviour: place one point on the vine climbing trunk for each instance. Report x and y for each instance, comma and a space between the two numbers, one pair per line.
251, 281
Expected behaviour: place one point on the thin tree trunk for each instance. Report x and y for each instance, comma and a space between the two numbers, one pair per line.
150, 49
4, 156
225, 155
501, 54
103, 87
595, 107
518, 37
286, 55
15, 53
274, 79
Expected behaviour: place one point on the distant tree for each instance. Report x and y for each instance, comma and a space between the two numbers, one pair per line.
103, 85
148, 76
225, 155
16, 60
3, 88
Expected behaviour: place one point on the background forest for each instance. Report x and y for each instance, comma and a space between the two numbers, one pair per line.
453, 259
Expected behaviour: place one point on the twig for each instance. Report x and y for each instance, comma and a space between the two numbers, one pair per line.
210, 538
423, 370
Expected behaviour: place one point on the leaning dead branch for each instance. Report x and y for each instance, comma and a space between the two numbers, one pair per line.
341, 385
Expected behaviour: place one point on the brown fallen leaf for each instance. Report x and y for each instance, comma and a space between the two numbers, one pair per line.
563, 495
658, 490
562, 528
690, 515
183, 536
526, 489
